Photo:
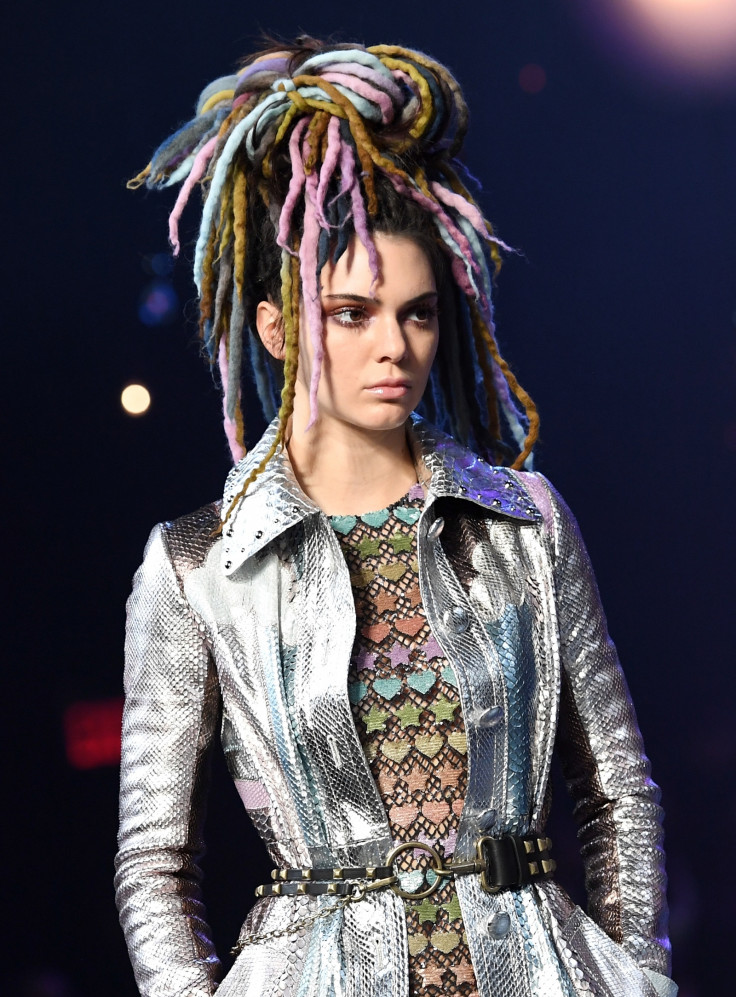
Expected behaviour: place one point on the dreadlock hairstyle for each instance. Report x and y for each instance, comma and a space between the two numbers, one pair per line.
305, 147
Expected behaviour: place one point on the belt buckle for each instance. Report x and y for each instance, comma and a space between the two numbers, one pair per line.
436, 866
484, 857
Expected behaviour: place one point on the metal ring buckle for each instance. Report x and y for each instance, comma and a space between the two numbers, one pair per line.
437, 868
357, 892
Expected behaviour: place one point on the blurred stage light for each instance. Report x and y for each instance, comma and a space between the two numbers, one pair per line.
694, 30
689, 40
158, 264
729, 437
159, 304
92, 733
532, 78
135, 399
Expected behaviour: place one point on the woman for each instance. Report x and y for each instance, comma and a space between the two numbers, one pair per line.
389, 633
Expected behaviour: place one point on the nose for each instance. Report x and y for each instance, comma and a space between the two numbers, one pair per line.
391, 342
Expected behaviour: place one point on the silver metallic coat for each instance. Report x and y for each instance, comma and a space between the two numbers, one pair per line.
249, 634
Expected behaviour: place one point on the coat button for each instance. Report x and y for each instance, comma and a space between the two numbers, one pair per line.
498, 925
487, 819
435, 529
491, 717
456, 619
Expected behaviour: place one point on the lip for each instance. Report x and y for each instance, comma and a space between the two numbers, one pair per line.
390, 387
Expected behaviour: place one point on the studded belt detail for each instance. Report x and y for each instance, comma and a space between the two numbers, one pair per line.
503, 863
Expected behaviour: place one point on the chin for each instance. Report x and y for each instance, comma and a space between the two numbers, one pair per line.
384, 422
379, 417
391, 417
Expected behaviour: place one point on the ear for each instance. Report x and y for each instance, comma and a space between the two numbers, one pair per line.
270, 325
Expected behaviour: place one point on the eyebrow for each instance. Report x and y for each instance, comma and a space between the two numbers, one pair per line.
362, 300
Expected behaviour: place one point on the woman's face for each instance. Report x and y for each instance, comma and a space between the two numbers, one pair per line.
379, 344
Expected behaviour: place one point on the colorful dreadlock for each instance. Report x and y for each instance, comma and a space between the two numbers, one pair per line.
307, 140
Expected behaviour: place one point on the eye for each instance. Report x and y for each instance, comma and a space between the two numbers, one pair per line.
350, 316
424, 314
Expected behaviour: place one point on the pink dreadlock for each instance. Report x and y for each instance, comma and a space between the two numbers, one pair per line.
305, 147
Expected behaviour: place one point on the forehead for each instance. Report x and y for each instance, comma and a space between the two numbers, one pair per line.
404, 269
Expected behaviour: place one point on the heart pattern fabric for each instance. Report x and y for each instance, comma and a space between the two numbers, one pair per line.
404, 698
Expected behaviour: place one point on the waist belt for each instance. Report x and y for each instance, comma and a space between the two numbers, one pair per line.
504, 863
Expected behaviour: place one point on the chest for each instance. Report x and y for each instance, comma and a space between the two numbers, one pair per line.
283, 630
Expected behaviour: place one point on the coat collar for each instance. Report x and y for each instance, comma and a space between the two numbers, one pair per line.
275, 502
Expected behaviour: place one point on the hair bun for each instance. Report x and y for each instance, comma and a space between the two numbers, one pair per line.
311, 144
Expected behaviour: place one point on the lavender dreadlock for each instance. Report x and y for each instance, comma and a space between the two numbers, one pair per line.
305, 147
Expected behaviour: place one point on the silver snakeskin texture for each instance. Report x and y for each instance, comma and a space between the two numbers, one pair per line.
171, 715
225, 632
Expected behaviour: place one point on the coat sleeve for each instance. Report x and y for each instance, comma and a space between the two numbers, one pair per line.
170, 718
608, 774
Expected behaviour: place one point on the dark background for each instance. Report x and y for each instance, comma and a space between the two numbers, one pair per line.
618, 313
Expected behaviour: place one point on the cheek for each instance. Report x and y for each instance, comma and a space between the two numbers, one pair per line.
429, 349
304, 368
342, 358
435, 344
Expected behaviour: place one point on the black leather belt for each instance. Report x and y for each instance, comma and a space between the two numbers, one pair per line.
504, 863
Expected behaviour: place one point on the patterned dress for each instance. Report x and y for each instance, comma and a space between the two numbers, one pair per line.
407, 710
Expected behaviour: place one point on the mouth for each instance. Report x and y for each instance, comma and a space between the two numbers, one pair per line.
390, 387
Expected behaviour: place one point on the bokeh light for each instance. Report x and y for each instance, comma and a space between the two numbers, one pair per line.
159, 304
532, 78
729, 437
685, 40
92, 733
158, 264
135, 399
695, 30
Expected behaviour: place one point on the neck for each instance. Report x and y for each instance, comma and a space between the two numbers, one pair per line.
346, 470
